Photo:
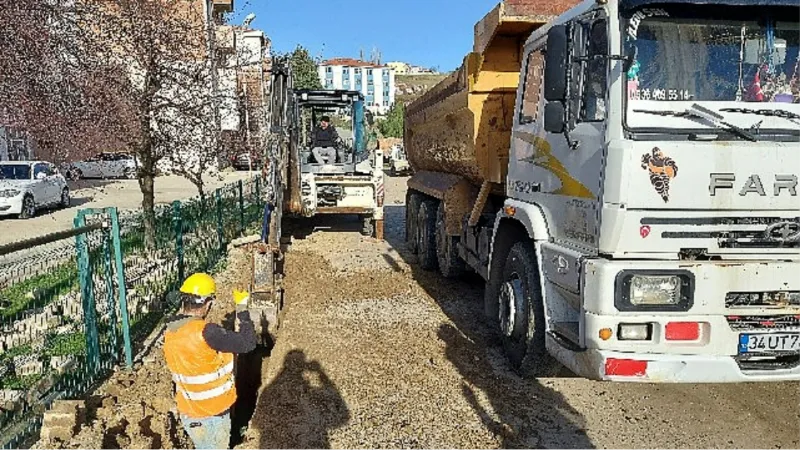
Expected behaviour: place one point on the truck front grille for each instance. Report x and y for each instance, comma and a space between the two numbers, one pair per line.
764, 323
733, 232
777, 299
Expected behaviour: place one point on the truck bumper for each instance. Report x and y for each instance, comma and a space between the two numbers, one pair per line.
721, 316
608, 365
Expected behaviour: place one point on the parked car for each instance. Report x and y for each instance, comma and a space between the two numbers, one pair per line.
27, 186
106, 165
243, 161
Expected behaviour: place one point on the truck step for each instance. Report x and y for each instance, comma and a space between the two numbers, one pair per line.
569, 331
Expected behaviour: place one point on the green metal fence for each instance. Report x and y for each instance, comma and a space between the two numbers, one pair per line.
76, 304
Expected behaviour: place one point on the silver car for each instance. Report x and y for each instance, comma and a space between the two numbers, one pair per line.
107, 166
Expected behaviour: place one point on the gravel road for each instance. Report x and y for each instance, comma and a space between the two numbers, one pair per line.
375, 353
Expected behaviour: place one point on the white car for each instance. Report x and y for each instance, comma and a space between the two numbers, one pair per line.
26, 186
106, 165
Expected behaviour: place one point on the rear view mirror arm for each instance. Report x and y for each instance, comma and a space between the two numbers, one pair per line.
573, 145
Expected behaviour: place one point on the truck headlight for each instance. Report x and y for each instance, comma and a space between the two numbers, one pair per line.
654, 290
9, 193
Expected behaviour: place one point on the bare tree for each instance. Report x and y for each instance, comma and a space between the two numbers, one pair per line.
161, 44
46, 82
127, 74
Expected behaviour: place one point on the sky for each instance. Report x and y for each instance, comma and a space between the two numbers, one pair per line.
429, 33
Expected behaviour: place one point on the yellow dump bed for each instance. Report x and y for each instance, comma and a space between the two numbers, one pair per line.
462, 126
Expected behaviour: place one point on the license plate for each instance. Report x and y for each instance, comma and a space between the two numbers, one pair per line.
769, 343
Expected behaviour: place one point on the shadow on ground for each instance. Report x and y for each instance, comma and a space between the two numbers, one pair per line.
521, 413
309, 402
301, 228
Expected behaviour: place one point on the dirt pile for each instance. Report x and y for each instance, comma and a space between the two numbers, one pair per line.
136, 409
132, 410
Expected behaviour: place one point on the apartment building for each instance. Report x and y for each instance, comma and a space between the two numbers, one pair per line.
375, 81
244, 63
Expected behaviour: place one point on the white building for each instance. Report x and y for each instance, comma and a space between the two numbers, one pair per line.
400, 68
15, 144
375, 81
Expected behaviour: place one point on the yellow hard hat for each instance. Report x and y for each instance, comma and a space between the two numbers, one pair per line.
200, 284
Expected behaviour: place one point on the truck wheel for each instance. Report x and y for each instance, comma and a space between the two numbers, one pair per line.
521, 315
426, 234
450, 264
413, 200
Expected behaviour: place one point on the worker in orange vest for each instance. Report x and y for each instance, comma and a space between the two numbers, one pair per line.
200, 356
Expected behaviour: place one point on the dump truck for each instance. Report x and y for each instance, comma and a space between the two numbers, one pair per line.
623, 174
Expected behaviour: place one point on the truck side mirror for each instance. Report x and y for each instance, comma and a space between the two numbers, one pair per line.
555, 68
554, 113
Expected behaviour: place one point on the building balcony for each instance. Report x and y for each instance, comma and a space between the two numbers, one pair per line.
222, 6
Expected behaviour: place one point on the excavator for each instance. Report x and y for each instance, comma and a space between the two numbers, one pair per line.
299, 186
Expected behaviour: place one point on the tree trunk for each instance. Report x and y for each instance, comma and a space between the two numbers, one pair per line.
147, 186
201, 187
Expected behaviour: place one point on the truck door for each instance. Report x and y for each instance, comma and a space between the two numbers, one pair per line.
559, 137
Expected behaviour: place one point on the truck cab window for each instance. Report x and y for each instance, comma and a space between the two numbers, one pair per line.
534, 68
595, 73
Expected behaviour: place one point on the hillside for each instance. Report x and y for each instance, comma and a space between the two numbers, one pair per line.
409, 87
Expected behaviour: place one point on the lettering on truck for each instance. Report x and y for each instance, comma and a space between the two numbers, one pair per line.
753, 185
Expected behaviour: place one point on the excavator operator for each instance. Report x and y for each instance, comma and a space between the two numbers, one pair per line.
200, 356
325, 139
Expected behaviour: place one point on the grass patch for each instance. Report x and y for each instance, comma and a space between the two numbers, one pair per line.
68, 344
23, 382
40, 290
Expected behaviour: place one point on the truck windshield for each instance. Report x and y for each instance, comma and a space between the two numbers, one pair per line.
745, 66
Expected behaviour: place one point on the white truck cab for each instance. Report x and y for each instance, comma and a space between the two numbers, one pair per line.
654, 165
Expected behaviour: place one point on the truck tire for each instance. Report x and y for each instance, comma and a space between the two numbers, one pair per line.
521, 315
450, 264
413, 200
426, 234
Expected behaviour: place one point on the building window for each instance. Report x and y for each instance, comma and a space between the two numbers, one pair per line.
386, 74
370, 77
385, 102
370, 99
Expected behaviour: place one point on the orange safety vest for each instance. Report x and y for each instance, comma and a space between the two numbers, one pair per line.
203, 377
